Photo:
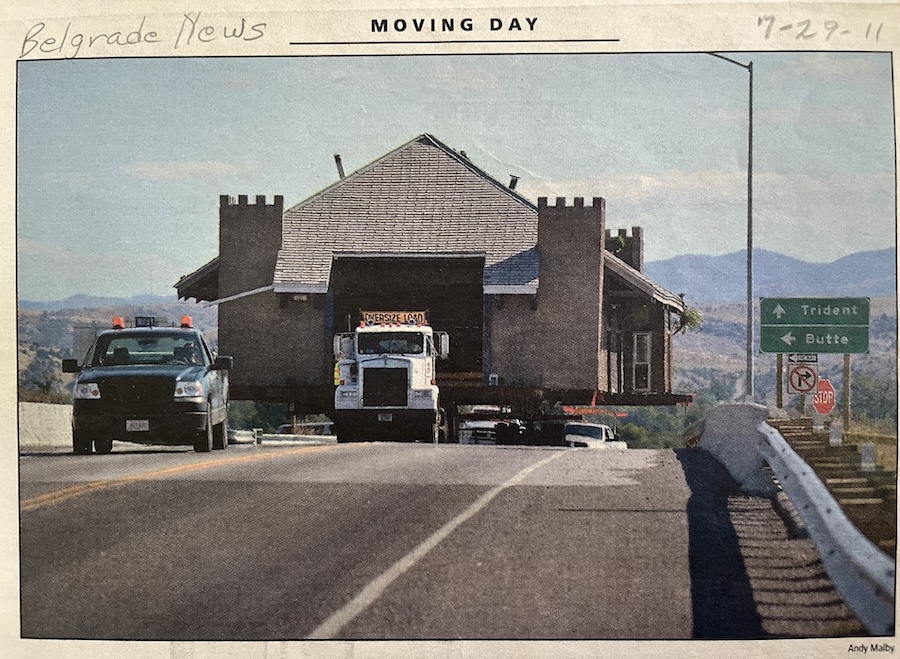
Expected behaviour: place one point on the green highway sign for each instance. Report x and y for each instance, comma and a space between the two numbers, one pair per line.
814, 339
814, 325
814, 311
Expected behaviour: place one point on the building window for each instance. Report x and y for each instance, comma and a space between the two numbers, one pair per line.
641, 362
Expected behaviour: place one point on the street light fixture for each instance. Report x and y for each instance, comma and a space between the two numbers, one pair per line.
748, 384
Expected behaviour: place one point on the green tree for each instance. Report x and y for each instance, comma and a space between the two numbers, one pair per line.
246, 414
690, 320
634, 435
874, 399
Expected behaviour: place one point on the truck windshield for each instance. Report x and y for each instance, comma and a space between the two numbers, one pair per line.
391, 343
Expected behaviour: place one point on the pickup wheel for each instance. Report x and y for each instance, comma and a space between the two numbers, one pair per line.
103, 444
203, 442
220, 435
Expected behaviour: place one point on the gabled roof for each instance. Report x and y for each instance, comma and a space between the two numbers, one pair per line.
421, 198
202, 283
642, 283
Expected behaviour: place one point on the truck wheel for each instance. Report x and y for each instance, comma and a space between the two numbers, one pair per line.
345, 436
203, 442
103, 444
443, 429
82, 443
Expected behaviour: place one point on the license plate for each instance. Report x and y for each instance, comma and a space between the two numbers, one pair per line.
137, 425
385, 416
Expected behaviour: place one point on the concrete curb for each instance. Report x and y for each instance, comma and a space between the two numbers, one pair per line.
44, 425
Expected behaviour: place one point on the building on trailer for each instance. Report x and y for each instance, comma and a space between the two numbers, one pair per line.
542, 302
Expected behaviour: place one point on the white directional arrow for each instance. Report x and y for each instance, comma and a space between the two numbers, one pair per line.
789, 338
779, 311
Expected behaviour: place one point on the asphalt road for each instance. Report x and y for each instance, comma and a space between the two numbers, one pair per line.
408, 541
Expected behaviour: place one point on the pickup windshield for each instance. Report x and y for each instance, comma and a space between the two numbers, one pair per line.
391, 343
150, 348
594, 432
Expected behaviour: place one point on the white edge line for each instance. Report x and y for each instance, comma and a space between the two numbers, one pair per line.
332, 625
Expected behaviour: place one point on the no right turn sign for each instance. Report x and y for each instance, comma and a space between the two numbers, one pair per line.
802, 378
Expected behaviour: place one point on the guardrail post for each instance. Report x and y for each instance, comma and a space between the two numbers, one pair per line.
867, 457
257, 434
835, 434
818, 422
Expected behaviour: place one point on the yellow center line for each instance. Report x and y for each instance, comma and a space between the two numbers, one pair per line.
58, 496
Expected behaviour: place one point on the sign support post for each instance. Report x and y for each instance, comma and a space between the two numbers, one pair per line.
779, 380
845, 394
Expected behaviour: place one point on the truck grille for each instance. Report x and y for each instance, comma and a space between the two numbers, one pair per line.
384, 387
137, 390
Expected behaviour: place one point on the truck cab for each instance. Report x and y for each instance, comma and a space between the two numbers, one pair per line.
385, 381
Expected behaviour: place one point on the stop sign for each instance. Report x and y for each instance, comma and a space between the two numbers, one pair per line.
823, 401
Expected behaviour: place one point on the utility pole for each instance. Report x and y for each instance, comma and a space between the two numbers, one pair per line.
748, 381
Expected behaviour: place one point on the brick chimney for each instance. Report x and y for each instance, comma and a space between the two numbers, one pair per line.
570, 293
628, 248
249, 240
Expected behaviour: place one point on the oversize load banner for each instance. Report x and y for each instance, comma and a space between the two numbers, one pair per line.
389, 317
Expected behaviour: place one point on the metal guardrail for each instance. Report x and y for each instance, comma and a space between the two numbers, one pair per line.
861, 572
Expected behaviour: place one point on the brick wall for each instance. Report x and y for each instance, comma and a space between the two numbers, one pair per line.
555, 339
274, 341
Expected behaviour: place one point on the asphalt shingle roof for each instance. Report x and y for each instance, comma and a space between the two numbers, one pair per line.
422, 198
641, 282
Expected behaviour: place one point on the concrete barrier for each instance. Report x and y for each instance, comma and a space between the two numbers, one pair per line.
730, 433
43, 425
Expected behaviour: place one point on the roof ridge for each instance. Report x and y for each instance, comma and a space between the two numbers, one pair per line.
463, 160
475, 169
354, 175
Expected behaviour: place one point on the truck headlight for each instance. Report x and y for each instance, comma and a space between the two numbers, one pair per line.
348, 393
87, 391
186, 390
422, 393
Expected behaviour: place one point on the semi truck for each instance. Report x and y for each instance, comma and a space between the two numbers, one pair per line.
386, 379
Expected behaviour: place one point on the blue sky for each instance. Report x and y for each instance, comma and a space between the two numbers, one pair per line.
121, 162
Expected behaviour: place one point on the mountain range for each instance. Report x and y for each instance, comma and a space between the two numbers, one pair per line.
703, 279
718, 279
93, 301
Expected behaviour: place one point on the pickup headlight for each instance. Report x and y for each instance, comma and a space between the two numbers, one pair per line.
422, 393
189, 390
87, 391
351, 393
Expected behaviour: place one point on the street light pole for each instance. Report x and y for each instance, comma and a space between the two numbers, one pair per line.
748, 383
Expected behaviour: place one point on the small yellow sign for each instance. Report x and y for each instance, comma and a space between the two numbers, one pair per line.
399, 317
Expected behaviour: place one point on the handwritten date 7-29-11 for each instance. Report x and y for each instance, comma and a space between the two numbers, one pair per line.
807, 29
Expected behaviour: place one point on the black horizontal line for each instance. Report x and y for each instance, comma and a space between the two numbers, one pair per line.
448, 41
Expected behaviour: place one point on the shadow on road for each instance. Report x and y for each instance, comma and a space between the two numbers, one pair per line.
721, 595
